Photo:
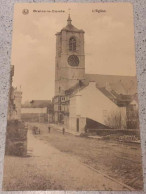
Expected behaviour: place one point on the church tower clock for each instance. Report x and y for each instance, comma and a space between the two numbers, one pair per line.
70, 58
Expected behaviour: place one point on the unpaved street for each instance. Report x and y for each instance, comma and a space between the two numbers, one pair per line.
67, 171
66, 162
47, 168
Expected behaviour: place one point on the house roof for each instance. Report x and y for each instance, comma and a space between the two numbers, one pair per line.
119, 99
126, 85
79, 86
119, 89
69, 27
37, 104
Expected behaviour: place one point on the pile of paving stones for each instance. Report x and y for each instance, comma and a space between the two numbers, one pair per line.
129, 138
123, 138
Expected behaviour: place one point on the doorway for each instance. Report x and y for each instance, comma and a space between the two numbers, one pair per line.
77, 124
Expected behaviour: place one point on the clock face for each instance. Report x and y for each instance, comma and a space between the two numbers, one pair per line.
73, 60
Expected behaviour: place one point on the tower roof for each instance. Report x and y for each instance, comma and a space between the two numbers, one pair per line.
69, 20
69, 27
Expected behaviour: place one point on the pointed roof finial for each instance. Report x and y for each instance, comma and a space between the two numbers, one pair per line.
69, 18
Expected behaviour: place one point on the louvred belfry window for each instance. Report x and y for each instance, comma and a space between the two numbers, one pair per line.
72, 44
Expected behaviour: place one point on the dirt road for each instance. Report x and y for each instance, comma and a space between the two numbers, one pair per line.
47, 168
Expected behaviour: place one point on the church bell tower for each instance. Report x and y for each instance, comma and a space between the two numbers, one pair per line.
70, 58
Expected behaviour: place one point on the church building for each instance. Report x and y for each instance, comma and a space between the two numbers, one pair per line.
70, 63
83, 99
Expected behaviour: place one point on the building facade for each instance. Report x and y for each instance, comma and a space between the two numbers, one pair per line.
100, 101
91, 107
70, 58
15, 98
37, 111
70, 65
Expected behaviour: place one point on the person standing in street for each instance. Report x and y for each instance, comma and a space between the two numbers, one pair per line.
63, 130
49, 129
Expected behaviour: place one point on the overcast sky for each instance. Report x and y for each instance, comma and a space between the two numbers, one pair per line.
109, 42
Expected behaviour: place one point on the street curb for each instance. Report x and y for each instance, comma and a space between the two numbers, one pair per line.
114, 180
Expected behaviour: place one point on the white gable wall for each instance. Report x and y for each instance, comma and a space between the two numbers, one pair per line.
91, 103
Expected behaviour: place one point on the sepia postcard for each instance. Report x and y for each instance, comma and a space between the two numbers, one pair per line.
73, 116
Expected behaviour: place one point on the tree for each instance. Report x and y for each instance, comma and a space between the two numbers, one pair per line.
115, 120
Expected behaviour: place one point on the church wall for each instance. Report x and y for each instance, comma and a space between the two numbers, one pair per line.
67, 76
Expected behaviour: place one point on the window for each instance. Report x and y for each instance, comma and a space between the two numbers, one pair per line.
72, 44
62, 98
73, 60
59, 107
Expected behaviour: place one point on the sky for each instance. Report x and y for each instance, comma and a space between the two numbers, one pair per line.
109, 42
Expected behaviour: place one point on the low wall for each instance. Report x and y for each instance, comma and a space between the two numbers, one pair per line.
16, 138
120, 132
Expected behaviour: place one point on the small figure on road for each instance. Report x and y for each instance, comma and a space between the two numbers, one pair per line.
49, 129
63, 130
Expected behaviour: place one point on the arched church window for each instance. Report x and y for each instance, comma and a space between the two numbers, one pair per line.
72, 44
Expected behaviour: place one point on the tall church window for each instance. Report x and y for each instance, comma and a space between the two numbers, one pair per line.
72, 44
